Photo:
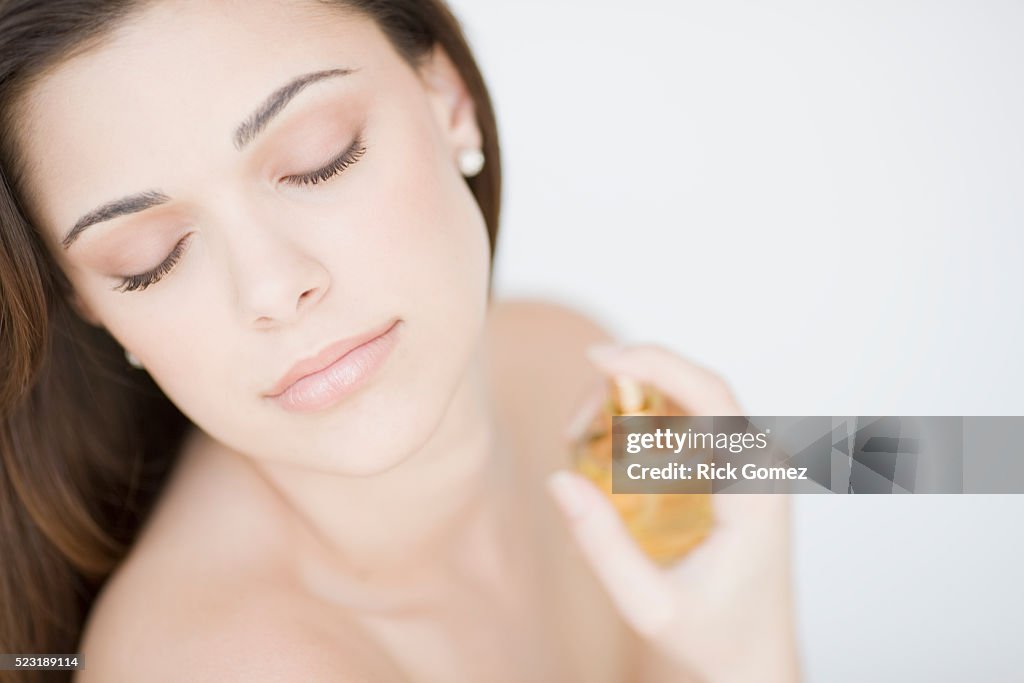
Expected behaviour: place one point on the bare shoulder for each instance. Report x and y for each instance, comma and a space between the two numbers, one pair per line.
537, 357
200, 598
538, 336
542, 315
249, 636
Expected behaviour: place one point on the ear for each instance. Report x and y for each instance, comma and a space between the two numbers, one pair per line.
452, 103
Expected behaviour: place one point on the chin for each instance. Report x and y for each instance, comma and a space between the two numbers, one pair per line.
374, 448
386, 427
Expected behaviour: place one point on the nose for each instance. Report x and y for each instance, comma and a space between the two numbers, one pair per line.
275, 280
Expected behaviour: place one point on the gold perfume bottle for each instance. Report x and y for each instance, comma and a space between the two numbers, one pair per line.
665, 525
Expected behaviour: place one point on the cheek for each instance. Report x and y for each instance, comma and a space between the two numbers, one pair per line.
188, 345
421, 221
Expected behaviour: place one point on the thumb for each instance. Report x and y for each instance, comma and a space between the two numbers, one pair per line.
636, 585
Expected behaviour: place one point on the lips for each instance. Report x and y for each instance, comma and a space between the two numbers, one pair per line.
311, 376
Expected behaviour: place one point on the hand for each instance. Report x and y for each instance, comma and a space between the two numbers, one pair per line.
723, 612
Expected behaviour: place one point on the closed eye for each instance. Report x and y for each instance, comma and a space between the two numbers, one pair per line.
132, 283
351, 155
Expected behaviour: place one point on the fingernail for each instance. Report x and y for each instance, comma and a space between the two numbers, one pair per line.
567, 493
602, 353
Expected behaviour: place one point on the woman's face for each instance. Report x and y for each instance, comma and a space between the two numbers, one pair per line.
187, 144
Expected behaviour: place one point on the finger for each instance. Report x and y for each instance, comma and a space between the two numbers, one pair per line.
693, 387
637, 587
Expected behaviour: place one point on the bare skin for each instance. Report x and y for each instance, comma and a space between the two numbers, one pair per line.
212, 572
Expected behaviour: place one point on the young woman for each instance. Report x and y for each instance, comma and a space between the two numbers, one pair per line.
261, 418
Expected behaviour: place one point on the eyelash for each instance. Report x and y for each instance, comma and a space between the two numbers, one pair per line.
133, 283
355, 151
350, 156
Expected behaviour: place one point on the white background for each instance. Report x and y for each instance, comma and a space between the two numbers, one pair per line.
823, 202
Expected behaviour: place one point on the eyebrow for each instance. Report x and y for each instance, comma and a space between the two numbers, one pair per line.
244, 134
119, 207
277, 101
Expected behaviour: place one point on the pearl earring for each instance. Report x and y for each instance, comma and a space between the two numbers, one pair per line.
132, 359
471, 162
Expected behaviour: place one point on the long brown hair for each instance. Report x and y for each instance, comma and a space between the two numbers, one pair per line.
86, 441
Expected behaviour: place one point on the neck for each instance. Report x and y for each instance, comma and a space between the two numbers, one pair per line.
409, 533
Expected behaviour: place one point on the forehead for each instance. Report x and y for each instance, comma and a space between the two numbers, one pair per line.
171, 84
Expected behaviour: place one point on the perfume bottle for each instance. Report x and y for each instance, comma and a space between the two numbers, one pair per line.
665, 525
